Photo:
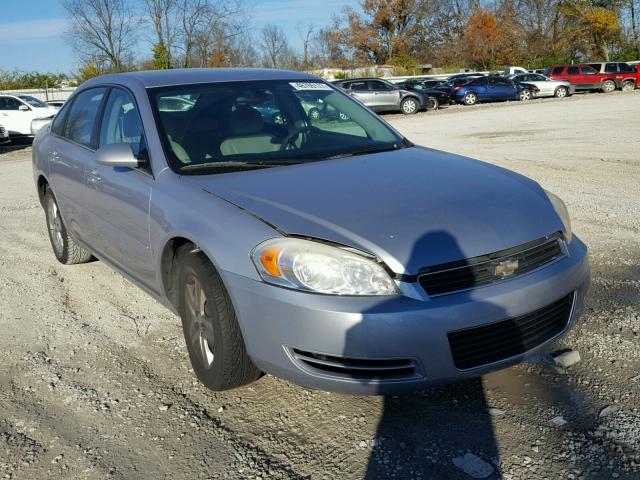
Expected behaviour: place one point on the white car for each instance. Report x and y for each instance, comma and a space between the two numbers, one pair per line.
547, 87
17, 112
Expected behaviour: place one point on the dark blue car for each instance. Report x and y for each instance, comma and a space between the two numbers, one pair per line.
492, 89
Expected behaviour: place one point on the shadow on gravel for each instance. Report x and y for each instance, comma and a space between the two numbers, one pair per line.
16, 144
419, 435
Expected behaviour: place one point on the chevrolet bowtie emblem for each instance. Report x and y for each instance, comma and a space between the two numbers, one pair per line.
505, 268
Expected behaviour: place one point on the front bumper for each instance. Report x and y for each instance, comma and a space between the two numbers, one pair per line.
277, 323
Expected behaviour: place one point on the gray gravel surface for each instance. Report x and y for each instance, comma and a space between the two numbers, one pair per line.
95, 381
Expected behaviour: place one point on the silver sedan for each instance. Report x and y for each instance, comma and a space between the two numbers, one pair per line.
548, 87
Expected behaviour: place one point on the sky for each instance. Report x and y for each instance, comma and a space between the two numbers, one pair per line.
32, 31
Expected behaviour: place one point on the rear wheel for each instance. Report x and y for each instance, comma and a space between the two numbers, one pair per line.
628, 86
525, 95
608, 86
65, 248
432, 103
214, 341
561, 92
409, 106
470, 98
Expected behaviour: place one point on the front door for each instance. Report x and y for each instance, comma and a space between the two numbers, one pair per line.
384, 97
119, 197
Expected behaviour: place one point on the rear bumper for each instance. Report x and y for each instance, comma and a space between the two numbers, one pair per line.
278, 324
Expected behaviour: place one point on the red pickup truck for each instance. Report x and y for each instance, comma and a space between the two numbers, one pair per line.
584, 77
626, 77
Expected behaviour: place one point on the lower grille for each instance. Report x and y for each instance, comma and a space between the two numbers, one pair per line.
356, 368
477, 346
485, 269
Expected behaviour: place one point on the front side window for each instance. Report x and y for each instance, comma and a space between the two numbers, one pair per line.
255, 124
121, 122
9, 103
625, 68
83, 116
573, 71
57, 127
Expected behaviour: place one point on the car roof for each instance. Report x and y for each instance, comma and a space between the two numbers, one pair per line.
183, 76
361, 79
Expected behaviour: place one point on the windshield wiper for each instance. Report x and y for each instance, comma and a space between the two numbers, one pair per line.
365, 151
194, 167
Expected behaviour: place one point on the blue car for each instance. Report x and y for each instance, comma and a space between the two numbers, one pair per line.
492, 89
328, 251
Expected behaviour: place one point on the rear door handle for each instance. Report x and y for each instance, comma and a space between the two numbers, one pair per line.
93, 176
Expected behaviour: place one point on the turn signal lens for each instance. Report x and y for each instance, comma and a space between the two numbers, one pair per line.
269, 260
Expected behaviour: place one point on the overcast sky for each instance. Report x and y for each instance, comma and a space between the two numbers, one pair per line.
32, 31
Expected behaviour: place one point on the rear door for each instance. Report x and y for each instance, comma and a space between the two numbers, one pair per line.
546, 87
575, 76
360, 90
119, 197
384, 96
501, 89
70, 152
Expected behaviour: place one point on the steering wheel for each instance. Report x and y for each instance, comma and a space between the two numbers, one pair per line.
289, 140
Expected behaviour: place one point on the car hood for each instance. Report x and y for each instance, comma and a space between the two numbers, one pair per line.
412, 208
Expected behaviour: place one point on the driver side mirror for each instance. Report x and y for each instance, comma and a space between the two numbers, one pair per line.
118, 155
23, 108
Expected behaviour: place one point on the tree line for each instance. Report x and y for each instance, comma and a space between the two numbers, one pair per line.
108, 34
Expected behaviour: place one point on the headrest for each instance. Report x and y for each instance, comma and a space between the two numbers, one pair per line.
245, 120
131, 127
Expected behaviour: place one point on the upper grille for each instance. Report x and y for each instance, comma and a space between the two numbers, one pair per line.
356, 368
477, 271
477, 346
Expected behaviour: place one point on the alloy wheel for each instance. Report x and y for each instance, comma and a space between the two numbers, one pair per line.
54, 222
409, 106
608, 86
200, 323
525, 95
561, 92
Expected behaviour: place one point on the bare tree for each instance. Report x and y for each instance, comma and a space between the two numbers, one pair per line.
103, 32
275, 47
163, 16
306, 37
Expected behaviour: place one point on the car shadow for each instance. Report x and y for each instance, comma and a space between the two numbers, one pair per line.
15, 144
420, 434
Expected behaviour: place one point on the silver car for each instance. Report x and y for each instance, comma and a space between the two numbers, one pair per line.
329, 251
548, 87
382, 96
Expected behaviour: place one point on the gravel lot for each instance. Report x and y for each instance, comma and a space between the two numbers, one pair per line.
95, 380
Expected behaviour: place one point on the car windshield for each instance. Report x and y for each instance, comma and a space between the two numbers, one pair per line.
33, 101
217, 127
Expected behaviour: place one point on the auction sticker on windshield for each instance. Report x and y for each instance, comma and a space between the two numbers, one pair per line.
310, 86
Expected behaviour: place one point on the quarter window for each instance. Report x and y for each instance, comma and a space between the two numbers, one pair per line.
83, 115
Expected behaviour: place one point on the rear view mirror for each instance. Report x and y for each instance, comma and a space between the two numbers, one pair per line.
117, 155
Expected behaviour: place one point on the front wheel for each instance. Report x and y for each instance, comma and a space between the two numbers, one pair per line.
65, 248
470, 99
214, 341
525, 95
561, 92
432, 103
628, 86
608, 86
409, 106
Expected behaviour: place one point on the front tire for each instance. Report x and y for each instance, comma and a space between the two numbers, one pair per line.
525, 95
561, 92
409, 106
65, 248
470, 98
432, 103
214, 341
628, 86
608, 86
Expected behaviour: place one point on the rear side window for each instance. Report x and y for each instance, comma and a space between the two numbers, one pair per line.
573, 71
379, 86
587, 69
358, 86
83, 116
557, 70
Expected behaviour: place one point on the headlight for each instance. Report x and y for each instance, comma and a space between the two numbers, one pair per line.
563, 213
316, 267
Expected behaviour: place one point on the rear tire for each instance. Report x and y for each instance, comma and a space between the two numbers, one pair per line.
432, 103
409, 106
628, 86
65, 248
561, 92
608, 86
214, 341
470, 98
